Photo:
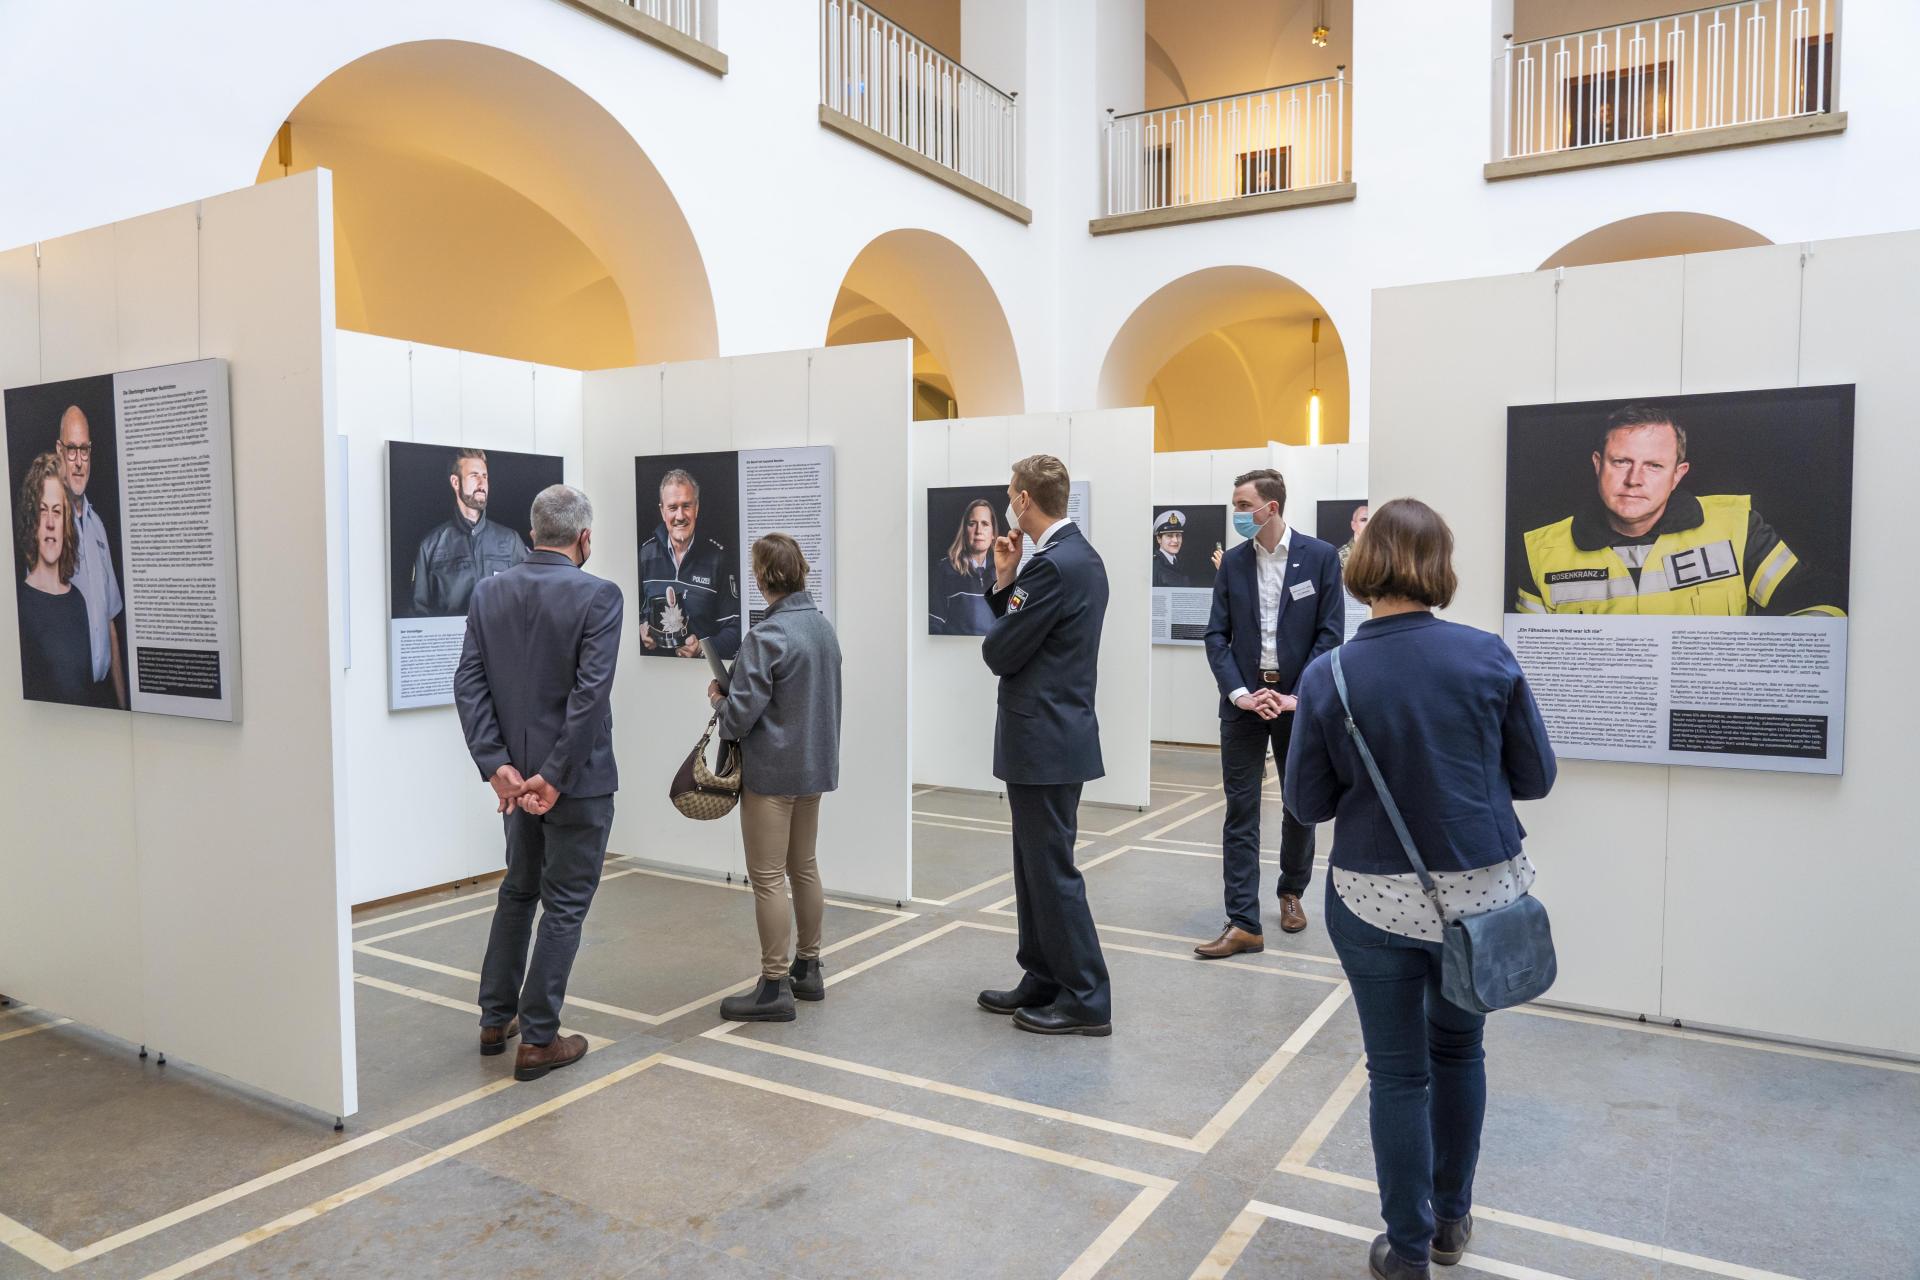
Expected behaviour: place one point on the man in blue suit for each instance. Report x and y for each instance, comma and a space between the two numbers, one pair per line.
1276, 607
1044, 644
533, 688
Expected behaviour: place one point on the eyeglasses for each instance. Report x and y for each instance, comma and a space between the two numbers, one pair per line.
76, 451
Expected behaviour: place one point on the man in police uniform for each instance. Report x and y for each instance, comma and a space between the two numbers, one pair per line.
1650, 547
1044, 645
1169, 535
454, 556
689, 586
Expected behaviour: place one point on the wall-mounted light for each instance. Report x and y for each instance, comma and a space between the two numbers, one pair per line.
1320, 28
1313, 396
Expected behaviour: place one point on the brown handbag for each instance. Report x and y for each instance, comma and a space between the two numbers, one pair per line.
702, 793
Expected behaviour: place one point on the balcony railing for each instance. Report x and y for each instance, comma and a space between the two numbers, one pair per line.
697, 19
1272, 140
880, 75
1732, 64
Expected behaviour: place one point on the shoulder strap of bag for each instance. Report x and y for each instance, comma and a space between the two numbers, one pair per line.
1380, 788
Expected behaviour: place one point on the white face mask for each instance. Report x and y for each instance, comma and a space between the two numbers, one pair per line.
1013, 521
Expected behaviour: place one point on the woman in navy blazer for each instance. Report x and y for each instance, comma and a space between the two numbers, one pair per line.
1458, 738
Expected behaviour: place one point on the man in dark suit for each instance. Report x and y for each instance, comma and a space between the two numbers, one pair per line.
533, 690
1044, 645
1276, 606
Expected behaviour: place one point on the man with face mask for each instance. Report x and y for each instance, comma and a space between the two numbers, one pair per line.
533, 689
456, 555
1277, 605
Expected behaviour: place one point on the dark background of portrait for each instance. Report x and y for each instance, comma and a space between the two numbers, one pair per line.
718, 475
419, 498
1333, 521
1790, 448
944, 509
33, 426
1206, 528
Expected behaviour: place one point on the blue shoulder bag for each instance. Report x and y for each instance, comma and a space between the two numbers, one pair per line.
1494, 960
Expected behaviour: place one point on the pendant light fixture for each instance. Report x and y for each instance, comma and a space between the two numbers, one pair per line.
1320, 28
1313, 396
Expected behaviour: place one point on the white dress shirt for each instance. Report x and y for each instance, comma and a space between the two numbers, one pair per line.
1052, 529
1270, 571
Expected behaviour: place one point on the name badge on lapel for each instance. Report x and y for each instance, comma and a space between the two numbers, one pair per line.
1300, 590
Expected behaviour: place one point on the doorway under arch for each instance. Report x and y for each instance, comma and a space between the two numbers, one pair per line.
919, 285
1653, 235
483, 202
1226, 358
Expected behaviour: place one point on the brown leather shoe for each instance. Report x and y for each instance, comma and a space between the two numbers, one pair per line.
536, 1060
493, 1040
1293, 917
1231, 942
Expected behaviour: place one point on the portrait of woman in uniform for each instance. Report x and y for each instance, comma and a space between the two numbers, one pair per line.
962, 523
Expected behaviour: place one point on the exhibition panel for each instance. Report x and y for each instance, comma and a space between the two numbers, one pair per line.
1724, 896
200, 906
771, 414
958, 460
440, 826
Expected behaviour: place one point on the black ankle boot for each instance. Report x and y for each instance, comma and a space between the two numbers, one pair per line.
808, 982
770, 1001
1388, 1265
1450, 1240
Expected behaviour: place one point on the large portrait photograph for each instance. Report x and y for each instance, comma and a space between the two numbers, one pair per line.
455, 515
67, 570
1188, 542
688, 512
962, 522
1677, 574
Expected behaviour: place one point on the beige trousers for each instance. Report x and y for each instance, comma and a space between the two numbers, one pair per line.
779, 833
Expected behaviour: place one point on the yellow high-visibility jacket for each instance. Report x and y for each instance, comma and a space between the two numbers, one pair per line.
1710, 555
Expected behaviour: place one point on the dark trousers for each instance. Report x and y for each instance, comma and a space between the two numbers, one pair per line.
1059, 949
1244, 744
1429, 1075
553, 860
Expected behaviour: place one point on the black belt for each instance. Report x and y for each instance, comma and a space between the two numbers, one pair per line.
1269, 677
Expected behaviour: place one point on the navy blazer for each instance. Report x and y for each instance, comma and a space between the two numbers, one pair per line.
536, 674
1310, 624
1044, 645
1456, 733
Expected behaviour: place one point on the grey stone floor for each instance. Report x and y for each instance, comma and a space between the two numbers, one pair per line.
895, 1130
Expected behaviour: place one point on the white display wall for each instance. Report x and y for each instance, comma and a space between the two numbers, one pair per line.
178, 882
856, 399
440, 826
953, 692
1768, 902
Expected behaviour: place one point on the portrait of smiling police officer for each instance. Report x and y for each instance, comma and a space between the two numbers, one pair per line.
689, 585
1648, 545
454, 556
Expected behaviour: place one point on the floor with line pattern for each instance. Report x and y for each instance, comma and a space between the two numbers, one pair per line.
895, 1130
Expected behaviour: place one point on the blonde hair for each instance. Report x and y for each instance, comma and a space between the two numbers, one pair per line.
1045, 479
956, 554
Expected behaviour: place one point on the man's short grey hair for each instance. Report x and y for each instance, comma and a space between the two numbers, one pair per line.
561, 513
677, 476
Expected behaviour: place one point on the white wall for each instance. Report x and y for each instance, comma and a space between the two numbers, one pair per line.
1777, 903
953, 692
440, 826
179, 882
856, 399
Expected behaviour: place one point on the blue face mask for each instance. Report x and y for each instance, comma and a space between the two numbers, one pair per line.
1245, 525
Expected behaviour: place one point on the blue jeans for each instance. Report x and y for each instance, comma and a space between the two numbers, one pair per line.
1429, 1073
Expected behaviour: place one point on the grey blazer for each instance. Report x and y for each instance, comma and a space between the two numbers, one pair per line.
783, 706
536, 673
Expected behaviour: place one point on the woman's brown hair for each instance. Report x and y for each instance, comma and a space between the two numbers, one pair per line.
27, 522
781, 567
1405, 552
957, 555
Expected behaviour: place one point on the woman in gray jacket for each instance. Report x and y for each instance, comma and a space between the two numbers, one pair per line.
783, 708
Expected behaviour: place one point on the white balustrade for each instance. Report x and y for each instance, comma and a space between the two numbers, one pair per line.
1732, 64
1250, 144
699, 19
881, 75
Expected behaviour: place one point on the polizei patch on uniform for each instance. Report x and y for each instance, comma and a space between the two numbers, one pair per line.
1577, 575
1018, 598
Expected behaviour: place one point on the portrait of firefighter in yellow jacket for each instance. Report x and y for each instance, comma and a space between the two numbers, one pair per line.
1650, 546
